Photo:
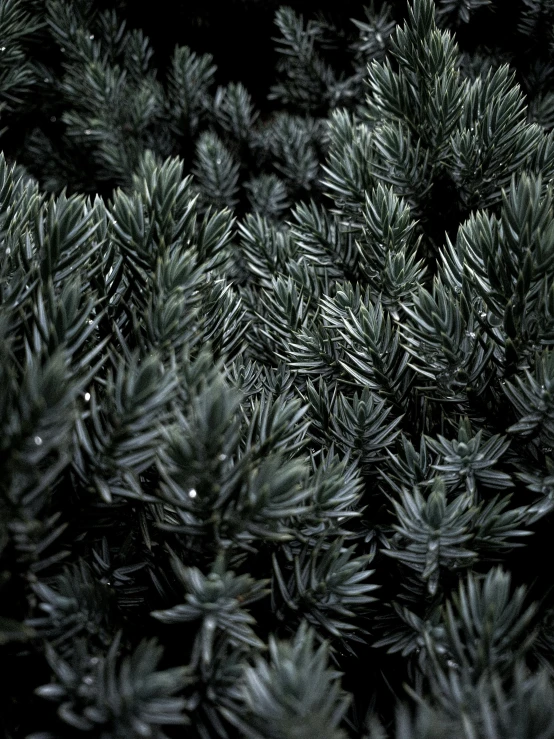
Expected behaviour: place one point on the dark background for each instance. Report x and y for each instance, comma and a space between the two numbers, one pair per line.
239, 33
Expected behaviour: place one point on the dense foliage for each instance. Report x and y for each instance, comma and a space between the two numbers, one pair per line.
277, 376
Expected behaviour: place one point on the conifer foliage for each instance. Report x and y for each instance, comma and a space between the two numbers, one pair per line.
277, 389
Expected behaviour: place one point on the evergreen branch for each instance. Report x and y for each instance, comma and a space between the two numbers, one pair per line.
326, 586
218, 601
126, 697
295, 695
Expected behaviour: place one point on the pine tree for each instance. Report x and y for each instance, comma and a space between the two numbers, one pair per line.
277, 391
